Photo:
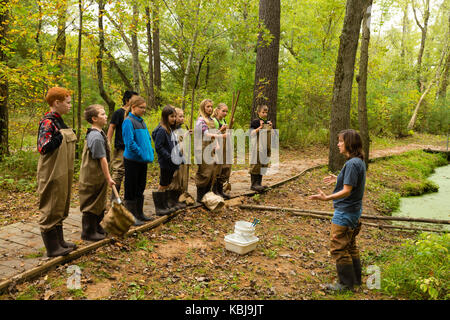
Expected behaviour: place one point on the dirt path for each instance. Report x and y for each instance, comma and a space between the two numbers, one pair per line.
21, 247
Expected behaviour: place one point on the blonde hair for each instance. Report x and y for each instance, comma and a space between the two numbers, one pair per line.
92, 111
202, 110
134, 101
179, 110
218, 108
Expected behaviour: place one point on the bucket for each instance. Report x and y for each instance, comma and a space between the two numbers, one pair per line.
244, 228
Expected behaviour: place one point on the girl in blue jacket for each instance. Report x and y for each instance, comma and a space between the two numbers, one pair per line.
169, 159
137, 154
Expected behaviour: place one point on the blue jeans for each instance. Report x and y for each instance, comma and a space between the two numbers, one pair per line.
346, 219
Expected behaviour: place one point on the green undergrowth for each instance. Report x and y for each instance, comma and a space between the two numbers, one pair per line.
418, 269
402, 176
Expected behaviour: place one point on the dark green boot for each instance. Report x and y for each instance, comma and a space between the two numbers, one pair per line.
161, 208
346, 276
62, 242
140, 209
52, 244
89, 223
256, 186
131, 206
357, 269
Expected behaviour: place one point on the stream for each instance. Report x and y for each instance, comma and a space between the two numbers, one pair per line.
434, 205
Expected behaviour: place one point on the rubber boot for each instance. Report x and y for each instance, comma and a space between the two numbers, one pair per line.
140, 209
259, 178
176, 196
160, 208
131, 206
172, 199
255, 184
346, 276
165, 202
99, 227
89, 223
357, 269
201, 191
52, 244
219, 187
62, 242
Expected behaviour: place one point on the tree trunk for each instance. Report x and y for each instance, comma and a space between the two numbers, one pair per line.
412, 122
442, 89
101, 48
343, 79
188, 67
4, 18
156, 54
362, 83
123, 76
424, 30
404, 30
38, 34
135, 49
266, 73
151, 90
60, 45
80, 7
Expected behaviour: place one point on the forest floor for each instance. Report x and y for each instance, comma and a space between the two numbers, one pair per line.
186, 259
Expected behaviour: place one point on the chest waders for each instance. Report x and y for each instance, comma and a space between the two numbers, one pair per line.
93, 193
54, 180
223, 169
258, 169
206, 173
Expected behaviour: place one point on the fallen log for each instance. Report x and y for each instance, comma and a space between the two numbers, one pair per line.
363, 216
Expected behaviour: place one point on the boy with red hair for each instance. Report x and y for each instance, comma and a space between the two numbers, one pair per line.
56, 145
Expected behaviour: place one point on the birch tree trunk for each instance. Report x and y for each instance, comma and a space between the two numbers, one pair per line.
424, 30
60, 45
156, 54
151, 91
135, 48
412, 122
101, 48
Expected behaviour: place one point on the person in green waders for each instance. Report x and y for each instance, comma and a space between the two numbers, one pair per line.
347, 201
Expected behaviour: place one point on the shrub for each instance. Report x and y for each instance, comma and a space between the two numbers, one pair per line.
418, 269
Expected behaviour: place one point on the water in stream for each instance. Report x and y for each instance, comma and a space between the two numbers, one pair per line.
434, 205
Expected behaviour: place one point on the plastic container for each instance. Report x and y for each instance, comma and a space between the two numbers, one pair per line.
244, 228
240, 244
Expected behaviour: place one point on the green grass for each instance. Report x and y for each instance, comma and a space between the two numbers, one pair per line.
418, 269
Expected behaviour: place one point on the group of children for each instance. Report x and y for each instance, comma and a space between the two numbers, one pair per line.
133, 151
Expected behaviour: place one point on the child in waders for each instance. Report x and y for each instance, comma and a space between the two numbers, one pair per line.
180, 178
257, 168
94, 174
224, 165
204, 128
347, 201
56, 145
117, 167
168, 159
138, 153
